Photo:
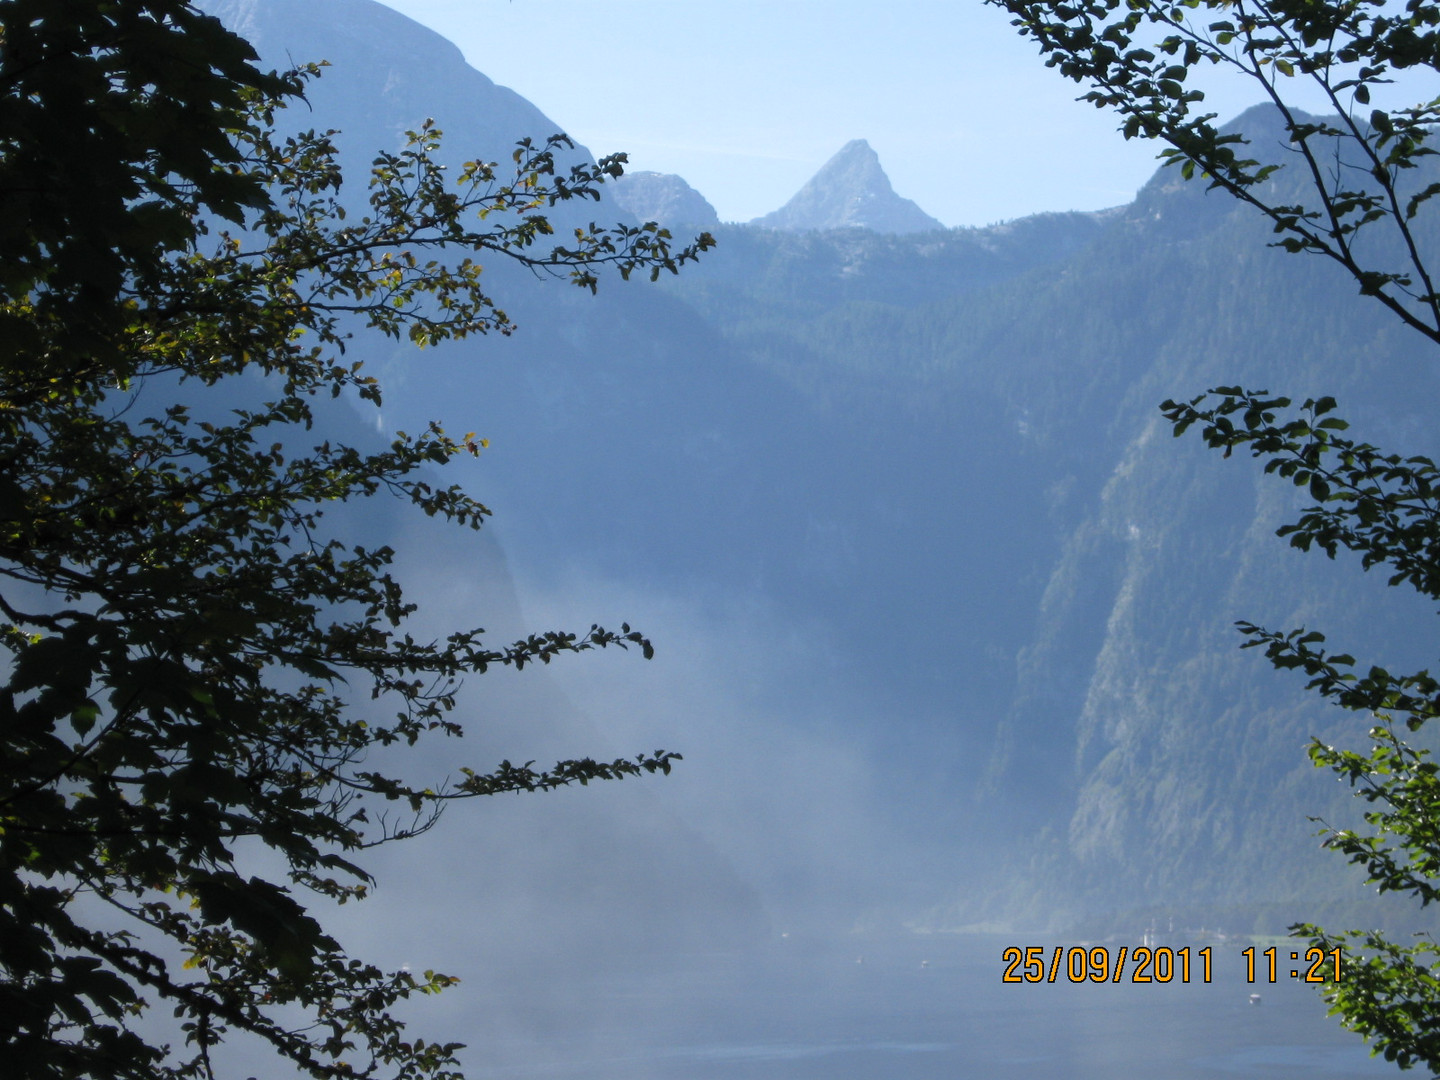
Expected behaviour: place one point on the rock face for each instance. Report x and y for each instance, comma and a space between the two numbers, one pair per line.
388, 74
851, 190
666, 198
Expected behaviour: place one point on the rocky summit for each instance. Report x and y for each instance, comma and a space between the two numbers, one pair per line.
851, 190
666, 198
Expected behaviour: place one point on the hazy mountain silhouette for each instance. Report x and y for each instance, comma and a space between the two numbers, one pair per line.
950, 613
665, 198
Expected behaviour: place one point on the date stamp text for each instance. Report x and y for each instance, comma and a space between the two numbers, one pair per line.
1160, 964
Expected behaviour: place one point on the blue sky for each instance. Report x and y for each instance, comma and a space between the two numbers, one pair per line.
747, 99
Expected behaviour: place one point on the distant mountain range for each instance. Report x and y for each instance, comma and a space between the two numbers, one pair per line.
851, 191
913, 485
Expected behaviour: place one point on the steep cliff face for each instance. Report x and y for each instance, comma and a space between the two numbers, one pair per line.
387, 74
1183, 756
850, 191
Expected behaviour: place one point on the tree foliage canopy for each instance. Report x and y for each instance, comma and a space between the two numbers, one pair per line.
1364, 173
196, 663
1144, 58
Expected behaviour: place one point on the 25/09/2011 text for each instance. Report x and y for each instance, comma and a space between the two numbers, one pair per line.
1159, 964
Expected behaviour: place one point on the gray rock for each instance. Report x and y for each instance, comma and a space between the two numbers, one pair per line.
851, 190
388, 74
664, 198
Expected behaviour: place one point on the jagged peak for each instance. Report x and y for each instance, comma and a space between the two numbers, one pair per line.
850, 190
663, 197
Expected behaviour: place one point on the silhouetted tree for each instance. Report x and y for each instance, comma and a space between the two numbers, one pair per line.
183, 629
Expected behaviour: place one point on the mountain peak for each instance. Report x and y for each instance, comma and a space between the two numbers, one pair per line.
858, 149
851, 190
662, 197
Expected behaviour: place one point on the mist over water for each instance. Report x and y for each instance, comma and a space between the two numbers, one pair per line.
741, 917
863, 1006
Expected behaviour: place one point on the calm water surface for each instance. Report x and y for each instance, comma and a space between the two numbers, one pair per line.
915, 1008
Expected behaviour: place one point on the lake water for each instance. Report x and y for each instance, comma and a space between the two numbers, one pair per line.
911, 1008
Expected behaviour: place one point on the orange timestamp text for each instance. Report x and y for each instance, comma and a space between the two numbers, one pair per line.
1156, 964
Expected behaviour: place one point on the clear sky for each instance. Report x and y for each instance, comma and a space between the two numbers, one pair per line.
746, 99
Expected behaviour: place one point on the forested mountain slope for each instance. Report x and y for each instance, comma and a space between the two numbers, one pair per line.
1142, 759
